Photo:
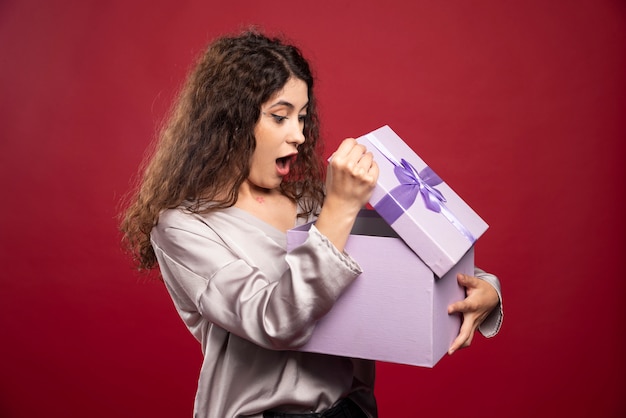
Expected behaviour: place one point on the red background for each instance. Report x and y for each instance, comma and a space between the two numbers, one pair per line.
520, 106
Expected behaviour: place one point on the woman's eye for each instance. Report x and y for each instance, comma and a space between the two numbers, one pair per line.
301, 118
278, 118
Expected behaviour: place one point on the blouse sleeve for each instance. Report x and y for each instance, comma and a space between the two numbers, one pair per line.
204, 275
491, 325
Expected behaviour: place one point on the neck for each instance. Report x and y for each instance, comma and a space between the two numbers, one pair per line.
269, 205
251, 192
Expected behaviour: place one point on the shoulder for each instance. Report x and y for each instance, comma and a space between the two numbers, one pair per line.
178, 218
214, 225
191, 239
180, 224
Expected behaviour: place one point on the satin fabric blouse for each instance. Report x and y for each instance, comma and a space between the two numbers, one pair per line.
251, 305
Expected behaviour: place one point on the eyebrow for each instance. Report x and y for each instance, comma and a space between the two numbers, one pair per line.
287, 104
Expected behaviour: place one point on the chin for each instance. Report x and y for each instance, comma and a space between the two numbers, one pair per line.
269, 185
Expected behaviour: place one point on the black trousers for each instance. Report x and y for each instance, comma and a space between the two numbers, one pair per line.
344, 409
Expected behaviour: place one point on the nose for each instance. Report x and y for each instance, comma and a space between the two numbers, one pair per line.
296, 133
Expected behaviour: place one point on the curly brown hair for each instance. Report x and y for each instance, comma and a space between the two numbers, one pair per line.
203, 152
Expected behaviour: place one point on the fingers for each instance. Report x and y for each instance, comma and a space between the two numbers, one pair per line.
346, 147
468, 309
463, 306
464, 339
458, 307
480, 301
366, 169
352, 172
354, 158
468, 327
466, 281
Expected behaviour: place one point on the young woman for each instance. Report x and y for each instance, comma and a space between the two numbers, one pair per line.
237, 165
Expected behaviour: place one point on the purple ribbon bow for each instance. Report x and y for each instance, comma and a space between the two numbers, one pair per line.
412, 183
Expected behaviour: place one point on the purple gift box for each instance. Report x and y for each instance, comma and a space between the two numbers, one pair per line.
431, 218
410, 249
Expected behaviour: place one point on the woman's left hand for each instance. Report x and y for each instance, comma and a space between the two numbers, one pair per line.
481, 299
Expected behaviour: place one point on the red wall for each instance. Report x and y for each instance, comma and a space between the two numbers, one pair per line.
520, 106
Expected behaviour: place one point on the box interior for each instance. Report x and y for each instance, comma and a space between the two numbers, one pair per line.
370, 223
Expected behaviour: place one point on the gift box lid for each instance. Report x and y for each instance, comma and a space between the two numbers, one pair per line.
427, 214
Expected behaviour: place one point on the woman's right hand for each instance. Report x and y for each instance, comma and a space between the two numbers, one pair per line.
350, 180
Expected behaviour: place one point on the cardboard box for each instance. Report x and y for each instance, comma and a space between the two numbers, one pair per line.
396, 310
410, 249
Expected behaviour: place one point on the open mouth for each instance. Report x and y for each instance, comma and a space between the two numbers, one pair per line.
283, 164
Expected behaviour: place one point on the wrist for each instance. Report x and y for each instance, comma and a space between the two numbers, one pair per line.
335, 222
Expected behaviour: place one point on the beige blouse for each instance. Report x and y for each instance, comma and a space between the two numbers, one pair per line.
250, 304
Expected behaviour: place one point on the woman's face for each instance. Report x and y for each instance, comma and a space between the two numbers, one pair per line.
278, 133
